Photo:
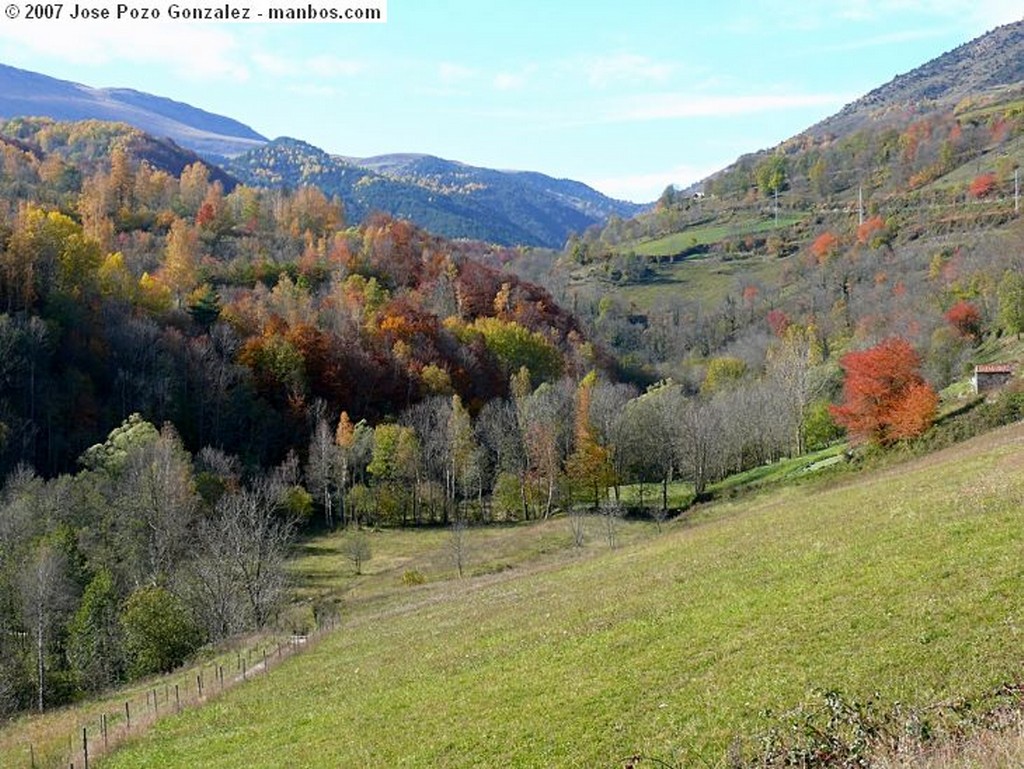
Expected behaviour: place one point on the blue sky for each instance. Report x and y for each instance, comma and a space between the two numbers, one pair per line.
625, 96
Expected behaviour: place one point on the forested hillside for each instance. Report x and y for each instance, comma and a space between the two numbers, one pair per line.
193, 369
31, 94
184, 365
898, 217
447, 198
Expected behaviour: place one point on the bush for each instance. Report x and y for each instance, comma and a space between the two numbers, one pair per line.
159, 632
413, 577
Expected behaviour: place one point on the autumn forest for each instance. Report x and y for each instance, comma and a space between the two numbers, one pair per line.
195, 372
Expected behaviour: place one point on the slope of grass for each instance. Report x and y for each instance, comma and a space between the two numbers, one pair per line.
908, 582
709, 233
706, 280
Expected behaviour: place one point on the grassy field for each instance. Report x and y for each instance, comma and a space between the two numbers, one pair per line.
704, 279
908, 582
710, 233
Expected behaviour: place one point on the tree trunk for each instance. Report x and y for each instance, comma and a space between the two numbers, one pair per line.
40, 669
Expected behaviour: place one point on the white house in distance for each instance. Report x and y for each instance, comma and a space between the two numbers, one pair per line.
991, 376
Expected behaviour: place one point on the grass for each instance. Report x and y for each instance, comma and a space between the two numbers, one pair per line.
705, 279
709, 233
54, 738
908, 582
789, 470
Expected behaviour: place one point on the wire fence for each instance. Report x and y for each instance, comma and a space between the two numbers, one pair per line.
116, 721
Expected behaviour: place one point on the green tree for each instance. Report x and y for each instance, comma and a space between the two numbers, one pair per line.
771, 174
394, 464
204, 305
723, 373
159, 632
95, 646
1011, 302
515, 347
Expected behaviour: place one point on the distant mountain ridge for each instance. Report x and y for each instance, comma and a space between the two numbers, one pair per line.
24, 94
449, 198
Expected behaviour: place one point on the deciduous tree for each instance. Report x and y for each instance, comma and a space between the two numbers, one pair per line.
885, 399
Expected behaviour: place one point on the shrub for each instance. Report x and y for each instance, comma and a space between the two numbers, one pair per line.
413, 577
159, 632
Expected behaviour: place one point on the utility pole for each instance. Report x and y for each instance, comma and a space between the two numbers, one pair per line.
1016, 190
776, 206
860, 204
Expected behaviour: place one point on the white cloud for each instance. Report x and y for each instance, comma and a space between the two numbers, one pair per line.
625, 68
509, 81
314, 91
990, 13
672, 106
452, 74
325, 66
646, 187
331, 66
192, 51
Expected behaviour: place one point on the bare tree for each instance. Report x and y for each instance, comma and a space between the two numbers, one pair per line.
356, 548
458, 545
577, 525
700, 422
322, 467
255, 537
611, 513
46, 596
158, 502
430, 419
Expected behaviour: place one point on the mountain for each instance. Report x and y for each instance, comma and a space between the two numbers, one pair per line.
88, 144
986, 65
24, 93
447, 197
450, 198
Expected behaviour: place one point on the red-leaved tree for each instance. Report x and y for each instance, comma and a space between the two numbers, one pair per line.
885, 399
965, 318
983, 185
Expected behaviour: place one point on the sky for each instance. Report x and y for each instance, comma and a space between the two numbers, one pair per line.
627, 97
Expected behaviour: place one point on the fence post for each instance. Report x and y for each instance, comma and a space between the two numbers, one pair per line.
177, 699
85, 747
103, 728
266, 667
32, 754
243, 671
127, 716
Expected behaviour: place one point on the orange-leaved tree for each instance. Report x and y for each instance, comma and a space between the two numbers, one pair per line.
885, 399
966, 319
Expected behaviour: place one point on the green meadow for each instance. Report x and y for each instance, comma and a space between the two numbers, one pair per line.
907, 582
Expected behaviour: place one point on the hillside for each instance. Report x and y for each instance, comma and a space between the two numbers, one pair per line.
446, 197
989, 63
876, 222
143, 283
87, 145
449, 198
900, 586
30, 94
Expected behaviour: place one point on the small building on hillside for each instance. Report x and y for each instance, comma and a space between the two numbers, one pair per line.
991, 376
